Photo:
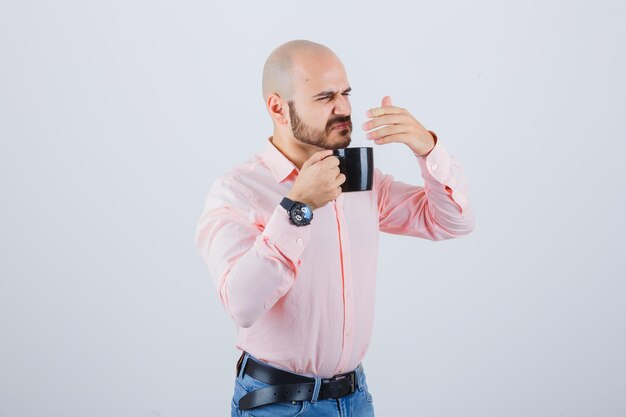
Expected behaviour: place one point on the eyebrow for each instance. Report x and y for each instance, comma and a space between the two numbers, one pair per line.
331, 93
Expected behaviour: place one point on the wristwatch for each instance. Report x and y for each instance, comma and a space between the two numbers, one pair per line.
300, 214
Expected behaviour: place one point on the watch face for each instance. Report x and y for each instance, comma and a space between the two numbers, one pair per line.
301, 214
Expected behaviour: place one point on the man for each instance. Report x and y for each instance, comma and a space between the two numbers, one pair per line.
301, 289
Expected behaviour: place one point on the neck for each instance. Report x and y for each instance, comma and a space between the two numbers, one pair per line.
294, 150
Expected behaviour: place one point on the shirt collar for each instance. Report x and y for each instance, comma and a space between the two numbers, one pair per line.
278, 163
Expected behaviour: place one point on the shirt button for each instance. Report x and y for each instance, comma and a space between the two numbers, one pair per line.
299, 241
348, 333
434, 166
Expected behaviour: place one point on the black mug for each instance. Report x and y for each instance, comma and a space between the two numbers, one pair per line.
357, 164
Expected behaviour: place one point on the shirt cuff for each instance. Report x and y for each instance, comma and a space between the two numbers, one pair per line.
437, 163
286, 236
439, 166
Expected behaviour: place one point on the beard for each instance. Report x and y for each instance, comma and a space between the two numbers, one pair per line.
320, 137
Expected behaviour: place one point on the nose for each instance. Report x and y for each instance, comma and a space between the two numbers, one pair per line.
342, 105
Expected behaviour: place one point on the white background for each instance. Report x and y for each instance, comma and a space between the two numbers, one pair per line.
115, 117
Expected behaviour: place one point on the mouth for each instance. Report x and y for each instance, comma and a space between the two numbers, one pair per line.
341, 126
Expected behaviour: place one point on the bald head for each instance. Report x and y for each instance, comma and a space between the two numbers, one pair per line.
283, 63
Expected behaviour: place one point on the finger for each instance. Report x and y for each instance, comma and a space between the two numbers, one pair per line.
398, 138
386, 131
317, 156
386, 101
386, 120
341, 178
380, 111
331, 162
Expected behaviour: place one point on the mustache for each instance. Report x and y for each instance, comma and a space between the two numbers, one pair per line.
339, 120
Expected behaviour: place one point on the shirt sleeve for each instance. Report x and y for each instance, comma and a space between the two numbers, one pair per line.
252, 264
438, 210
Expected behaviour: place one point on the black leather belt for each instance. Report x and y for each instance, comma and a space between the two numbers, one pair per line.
287, 386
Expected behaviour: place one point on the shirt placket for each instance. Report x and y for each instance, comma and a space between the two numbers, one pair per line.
348, 289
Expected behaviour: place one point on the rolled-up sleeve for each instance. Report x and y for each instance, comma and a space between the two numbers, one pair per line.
253, 262
438, 210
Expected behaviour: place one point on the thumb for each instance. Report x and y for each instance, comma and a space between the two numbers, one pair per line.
317, 156
386, 101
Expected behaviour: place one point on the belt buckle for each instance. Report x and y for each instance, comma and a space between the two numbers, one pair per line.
339, 378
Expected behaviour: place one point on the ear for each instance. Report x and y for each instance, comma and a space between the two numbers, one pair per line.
277, 108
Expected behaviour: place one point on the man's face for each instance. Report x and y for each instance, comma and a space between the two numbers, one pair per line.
334, 134
320, 113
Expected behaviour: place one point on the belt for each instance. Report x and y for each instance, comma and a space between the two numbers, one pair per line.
287, 386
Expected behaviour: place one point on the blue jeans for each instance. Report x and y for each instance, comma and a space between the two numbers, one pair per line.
357, 404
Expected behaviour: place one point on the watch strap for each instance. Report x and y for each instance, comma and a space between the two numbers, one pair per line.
287, 204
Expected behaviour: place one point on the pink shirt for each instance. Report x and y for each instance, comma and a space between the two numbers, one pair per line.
303, 297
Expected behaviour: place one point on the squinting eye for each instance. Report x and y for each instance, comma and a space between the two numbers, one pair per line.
346, 94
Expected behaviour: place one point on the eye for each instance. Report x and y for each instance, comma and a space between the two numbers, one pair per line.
346, 94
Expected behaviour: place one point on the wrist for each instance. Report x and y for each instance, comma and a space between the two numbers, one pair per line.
297, 197
421, 153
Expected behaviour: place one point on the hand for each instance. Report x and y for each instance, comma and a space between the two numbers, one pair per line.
319, 180
399, 126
